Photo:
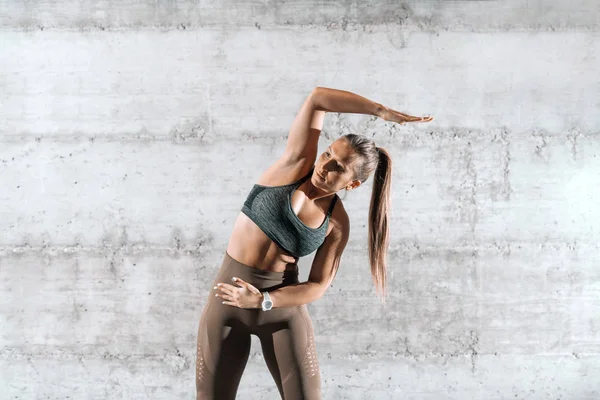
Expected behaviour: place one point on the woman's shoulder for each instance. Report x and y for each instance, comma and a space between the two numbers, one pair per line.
339, 221
284, 173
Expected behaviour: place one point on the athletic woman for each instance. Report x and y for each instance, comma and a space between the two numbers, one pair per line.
290, 212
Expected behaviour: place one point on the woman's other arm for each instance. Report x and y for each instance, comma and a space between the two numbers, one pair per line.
324, 268
322, 272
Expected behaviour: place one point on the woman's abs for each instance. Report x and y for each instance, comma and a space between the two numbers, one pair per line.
251, 246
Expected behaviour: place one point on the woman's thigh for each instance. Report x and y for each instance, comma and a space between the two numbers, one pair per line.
222, 352
288, 344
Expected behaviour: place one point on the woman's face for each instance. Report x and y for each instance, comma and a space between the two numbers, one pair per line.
334, 169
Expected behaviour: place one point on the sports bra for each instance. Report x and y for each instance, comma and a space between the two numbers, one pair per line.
270, 207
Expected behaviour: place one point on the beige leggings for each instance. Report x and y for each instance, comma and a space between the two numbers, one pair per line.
286, 336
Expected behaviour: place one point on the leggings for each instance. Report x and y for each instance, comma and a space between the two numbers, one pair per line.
286, 335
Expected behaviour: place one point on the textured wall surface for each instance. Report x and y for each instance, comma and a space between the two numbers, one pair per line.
131, 132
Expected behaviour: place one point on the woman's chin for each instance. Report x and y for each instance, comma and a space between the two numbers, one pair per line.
318, 181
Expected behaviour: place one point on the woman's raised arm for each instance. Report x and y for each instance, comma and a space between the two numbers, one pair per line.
304, 134
333, 100
342, 101
303, 138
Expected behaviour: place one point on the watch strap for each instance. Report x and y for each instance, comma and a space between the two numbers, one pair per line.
266, 298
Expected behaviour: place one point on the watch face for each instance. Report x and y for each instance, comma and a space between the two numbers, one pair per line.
268, 305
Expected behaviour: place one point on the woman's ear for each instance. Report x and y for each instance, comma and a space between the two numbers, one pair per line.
353, 185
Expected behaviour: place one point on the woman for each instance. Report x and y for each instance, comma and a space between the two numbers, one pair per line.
292, 211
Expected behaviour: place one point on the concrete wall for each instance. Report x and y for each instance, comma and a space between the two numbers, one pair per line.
130, 135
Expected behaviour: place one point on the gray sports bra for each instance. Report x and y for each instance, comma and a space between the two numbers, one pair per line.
270, 207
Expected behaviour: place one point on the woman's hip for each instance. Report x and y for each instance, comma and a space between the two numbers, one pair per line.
220, 313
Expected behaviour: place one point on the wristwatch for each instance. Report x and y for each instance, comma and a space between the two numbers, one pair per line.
266, 304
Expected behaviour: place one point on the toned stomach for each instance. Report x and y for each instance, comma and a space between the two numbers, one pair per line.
249, 245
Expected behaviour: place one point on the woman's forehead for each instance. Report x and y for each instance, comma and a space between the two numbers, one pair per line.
342, 150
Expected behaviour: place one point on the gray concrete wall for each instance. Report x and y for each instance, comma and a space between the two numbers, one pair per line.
130, 135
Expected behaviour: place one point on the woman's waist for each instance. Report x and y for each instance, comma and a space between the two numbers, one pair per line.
262, 256
260, 278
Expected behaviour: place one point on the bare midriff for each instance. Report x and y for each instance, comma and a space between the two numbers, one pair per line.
249, 245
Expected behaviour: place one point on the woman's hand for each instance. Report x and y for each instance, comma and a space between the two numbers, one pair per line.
245, 296
396, 116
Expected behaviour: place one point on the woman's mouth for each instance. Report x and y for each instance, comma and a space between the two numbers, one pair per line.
319, 175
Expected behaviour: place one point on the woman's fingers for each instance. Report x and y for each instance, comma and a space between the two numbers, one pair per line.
241, 296
245, 284
223, 287
426, 119
224, 294
403, 117
225, 297
240, 282
412, 118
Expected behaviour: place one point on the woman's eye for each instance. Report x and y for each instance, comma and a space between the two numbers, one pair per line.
327, 154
